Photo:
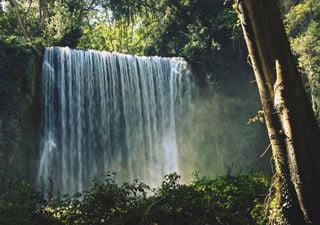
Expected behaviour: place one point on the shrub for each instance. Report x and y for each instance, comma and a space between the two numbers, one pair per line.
222, 200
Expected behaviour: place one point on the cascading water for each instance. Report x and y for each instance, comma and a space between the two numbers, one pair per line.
110, 112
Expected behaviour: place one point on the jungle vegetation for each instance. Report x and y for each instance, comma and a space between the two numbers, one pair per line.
225, 200
205, 32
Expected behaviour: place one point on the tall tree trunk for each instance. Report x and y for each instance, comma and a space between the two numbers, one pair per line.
23, 28
293, 132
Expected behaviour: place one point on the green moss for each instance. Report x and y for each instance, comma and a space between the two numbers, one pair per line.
20, 71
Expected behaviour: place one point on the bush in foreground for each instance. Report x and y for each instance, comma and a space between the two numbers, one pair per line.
224, 200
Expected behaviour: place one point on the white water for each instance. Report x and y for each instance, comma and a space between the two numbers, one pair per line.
110, 112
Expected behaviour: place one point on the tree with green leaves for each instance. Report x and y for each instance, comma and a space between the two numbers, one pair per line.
55, 22
293, 131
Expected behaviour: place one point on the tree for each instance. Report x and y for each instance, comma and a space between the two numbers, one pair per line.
55, 22
292, 128
22, 26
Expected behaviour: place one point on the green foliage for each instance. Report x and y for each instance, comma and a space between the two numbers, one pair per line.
223, 200
105, 203
203, 31
120, 36
18, 206
303, 26
54, 22
61, 23
19, 44
240, 196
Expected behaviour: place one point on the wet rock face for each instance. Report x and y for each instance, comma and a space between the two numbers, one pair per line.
20, 70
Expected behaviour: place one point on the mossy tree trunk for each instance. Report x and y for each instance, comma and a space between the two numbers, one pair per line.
293, 132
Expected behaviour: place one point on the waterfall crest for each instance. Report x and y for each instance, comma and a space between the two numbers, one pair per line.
110, 112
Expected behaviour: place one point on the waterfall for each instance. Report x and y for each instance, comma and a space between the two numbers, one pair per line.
110, 112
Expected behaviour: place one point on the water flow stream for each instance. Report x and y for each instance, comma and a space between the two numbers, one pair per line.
110, 112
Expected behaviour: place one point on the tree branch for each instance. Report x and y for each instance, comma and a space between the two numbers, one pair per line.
14, 4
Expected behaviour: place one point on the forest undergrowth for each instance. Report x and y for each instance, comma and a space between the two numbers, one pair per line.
230, 199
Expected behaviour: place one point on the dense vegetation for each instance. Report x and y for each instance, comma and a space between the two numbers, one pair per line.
303, 26
203, 31
237, 200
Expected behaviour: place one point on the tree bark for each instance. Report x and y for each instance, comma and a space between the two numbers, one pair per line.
14, 4
293, 131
